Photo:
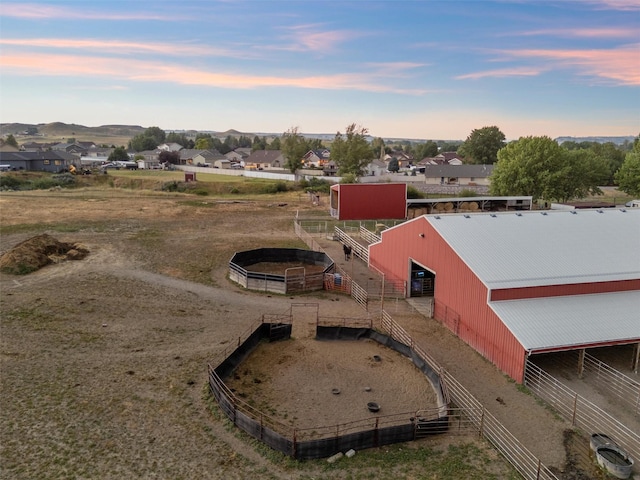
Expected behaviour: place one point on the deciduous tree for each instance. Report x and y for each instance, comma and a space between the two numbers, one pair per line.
119, 154
293, 146
482, 145
351, 152
628, 176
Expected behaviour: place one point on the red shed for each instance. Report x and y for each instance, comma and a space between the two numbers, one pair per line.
369, 201
518, 284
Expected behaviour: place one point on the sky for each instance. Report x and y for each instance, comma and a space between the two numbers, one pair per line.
433, 70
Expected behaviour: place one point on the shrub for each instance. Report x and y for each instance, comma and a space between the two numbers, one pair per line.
413, 192
9, 182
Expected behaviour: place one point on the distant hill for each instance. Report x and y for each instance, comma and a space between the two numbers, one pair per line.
616, 140
57, 129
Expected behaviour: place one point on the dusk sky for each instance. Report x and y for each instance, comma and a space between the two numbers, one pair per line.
411, 69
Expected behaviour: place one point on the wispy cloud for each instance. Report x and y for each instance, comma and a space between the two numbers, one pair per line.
120, 69
503, 72
121, 47
43, 11
624, 5
621, 33
614, 67
313, 38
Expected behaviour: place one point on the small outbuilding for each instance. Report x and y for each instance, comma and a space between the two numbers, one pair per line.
516, 284
369, 201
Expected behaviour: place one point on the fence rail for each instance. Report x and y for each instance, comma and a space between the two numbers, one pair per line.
527, 464
580, 412
618, 384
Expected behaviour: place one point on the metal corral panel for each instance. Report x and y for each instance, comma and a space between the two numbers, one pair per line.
562, 323
509, 250
457, 289
372, 201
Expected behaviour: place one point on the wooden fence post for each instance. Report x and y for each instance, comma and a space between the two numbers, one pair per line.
575, 407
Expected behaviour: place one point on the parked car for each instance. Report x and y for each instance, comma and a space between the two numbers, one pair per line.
633, 204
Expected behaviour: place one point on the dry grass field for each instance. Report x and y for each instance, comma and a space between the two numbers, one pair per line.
103, 360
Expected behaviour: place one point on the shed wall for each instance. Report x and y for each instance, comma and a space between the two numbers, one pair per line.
379, 201
456, 288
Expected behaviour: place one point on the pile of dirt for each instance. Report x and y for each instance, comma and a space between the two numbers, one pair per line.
37, 252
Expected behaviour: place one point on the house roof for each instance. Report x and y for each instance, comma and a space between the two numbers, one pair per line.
524, 249
466, 171
264, 156
34, 156
569, 322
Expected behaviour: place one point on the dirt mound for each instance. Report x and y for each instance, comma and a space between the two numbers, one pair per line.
37, 252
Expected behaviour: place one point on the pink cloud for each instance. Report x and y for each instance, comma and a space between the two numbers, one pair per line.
120, 47
503, 72
44, 11
616, 66
624, 5
135, 70
311, 38
586, 33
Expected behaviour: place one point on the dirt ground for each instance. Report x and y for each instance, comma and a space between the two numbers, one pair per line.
103, 360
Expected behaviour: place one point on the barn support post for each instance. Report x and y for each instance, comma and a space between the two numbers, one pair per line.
636, 358
575, 408
581, 353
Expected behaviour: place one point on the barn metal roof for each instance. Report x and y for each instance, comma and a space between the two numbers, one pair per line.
562, 323
523, 249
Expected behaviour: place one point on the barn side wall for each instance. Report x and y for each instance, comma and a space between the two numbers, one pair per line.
377, 201
459, 295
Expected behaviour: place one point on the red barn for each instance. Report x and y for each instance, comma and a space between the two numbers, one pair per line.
369, 201
518, 284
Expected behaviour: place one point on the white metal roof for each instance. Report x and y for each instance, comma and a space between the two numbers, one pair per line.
509, 250
555, 323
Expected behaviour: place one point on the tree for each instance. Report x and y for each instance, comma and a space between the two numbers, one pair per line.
529, 166
581, 174
293, 146
351, 152
274, 145
148, 140
204, 142
426, 150
169, 157
393, 165
628, 176
482, 145
11, 140
119, 154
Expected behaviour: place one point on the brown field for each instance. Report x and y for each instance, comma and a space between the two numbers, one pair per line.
103, 361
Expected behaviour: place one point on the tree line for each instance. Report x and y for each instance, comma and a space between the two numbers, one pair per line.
535, 166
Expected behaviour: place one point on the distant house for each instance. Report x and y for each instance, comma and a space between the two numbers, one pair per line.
238, 155
316, 158
69, 148
265, 160
444, 158
377, 167
170, 147
48, 161
208, 158
459, 175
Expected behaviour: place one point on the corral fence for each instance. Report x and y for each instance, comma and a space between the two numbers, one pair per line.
623, 387
464, 403
324, 441
294, 280
582, 414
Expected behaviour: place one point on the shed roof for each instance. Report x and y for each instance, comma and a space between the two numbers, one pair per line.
563, 323
523, 249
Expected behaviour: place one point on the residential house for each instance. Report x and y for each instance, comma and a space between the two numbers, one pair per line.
444, 158
69, 148
238, 155
458, 175
170, 147
48, 161
208, 158
316, 158
265, 160
377, 168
